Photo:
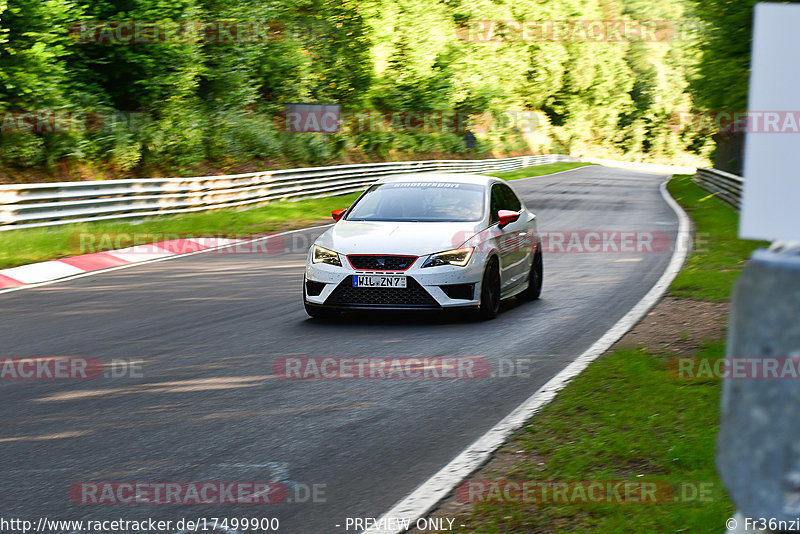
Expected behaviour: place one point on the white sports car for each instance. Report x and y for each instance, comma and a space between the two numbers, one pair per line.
426, 242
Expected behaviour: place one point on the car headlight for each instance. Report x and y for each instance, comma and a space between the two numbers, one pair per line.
324, 255
459, 257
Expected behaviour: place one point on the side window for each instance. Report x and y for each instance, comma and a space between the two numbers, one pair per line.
498, 202
510, 199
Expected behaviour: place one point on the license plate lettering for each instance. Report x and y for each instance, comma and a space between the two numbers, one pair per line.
379, 281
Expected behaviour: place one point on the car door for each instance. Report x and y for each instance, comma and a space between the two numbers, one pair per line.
516, 236
507, 239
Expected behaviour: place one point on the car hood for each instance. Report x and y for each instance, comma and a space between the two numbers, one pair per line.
412, 238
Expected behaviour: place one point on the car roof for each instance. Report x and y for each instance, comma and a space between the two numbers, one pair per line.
440, 177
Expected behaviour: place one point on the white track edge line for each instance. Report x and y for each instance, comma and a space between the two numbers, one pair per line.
155, 260
422, 500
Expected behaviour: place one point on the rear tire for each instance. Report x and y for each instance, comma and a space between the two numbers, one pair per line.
535, 278
490, 291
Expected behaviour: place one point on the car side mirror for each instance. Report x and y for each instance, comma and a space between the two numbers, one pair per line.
507, 217
338, 214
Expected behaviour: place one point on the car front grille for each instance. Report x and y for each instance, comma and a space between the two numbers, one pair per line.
381, 263
411, 296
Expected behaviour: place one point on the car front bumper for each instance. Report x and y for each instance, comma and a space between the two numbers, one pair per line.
429, 288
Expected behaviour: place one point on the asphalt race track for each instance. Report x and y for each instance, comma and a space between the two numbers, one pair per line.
204, 330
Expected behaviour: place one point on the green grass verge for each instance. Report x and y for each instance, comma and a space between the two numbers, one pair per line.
539, 170
623, 419
19, 247
718, 256
627, 417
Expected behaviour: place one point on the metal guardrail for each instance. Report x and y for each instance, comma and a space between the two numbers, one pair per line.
49, 204
726, 186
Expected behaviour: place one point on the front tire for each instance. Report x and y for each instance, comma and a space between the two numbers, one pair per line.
490, 291
315, 312
535, 278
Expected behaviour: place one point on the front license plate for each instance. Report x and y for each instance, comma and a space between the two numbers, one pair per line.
379, 281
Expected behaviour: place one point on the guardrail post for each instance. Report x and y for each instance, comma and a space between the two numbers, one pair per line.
758, 446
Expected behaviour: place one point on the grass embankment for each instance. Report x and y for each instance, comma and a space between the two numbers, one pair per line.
20, 247
719, 256
627, 418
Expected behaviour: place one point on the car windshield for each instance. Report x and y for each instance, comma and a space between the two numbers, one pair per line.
420, 202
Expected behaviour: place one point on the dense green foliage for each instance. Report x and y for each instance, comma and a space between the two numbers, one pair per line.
176, 103
723, 70
719, 83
